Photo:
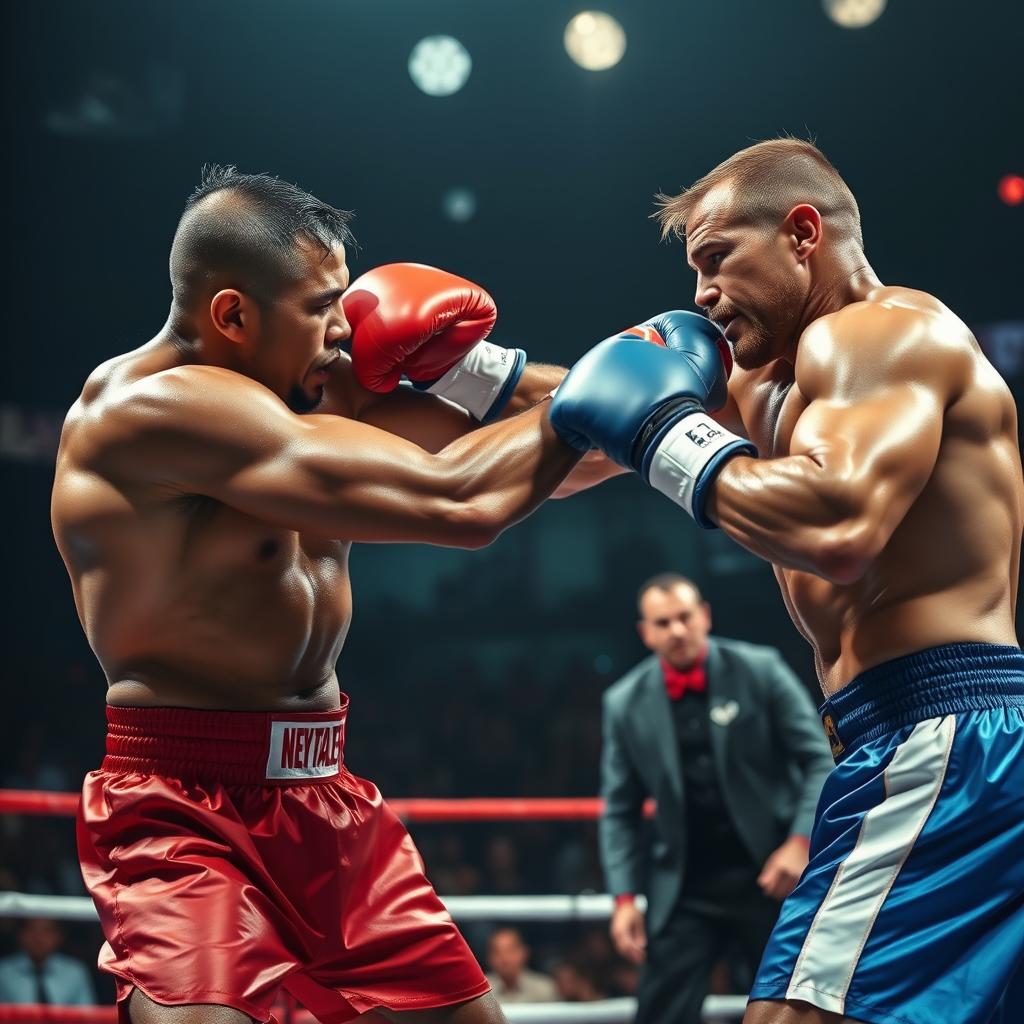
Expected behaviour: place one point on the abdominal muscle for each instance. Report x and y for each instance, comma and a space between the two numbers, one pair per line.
945, 576
257, 624
850, 634
947, 573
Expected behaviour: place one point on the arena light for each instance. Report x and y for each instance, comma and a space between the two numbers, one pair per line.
440, 65
459, 205
1011, 189
595, 40
854, 13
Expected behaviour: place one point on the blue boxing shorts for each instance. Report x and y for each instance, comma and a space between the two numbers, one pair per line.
911, 909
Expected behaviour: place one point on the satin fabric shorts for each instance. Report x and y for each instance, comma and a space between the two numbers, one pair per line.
911, 909
232, 855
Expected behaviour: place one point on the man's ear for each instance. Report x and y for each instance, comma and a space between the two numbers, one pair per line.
803, 226
234, 314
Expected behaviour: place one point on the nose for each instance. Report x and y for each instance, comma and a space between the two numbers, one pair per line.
707, 293
338, 333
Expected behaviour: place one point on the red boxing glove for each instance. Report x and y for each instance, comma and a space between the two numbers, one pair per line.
415, 320
428, 325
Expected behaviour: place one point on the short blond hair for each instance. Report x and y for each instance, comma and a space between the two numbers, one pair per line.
769, 179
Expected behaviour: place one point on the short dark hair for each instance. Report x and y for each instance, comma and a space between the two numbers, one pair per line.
769, 179
665, 581
250, 235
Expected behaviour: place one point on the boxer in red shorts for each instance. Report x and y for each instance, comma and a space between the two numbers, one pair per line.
208, 487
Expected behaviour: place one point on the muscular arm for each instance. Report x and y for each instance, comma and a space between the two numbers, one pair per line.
860, 453
203, 430
432, 423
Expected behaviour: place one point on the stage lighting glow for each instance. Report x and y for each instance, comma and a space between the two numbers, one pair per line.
459, 205
1011, 189
595, 40
854, 13
439, 65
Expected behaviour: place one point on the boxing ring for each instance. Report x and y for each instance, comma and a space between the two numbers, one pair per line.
557, 908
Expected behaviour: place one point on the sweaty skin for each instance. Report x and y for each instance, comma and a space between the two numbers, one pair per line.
206, 527
889, 495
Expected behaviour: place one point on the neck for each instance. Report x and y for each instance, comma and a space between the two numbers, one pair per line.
687, 665
849, 279
186, 336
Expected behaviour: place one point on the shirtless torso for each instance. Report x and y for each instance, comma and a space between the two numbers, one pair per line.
190, 597
895, 376
184, 599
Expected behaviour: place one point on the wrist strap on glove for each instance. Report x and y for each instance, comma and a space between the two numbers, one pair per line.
482, 382
689, 456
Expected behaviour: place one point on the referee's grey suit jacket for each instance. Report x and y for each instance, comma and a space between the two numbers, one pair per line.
771, 759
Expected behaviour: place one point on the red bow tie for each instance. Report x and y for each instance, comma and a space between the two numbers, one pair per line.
678, 682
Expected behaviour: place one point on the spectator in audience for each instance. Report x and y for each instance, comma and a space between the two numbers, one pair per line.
511, 979
449, 868
502, 875
575, 982
41, 974
726, 739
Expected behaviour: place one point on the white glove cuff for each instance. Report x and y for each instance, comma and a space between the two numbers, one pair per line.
483, 380
688, 459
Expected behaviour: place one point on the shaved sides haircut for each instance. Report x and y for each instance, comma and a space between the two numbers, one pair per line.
242, 230
768, 179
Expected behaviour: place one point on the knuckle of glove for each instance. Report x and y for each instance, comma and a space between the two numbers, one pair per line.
413, 319
610, 395
696, 335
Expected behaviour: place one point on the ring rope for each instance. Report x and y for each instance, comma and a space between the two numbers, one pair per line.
39, 802
584, 907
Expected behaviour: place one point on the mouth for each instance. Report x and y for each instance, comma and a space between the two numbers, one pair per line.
323, 371
731, 329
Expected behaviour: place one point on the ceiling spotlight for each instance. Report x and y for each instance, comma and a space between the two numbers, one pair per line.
595, 40
440, 65
853, 13
459, 205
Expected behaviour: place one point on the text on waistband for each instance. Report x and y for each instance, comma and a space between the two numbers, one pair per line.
304, 750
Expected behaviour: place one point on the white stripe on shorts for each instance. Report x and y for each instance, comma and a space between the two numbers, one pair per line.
840, 929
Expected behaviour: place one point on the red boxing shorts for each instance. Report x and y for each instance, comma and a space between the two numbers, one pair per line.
231, 854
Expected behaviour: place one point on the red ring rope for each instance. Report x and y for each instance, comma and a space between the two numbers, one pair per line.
28, 1014
30, 801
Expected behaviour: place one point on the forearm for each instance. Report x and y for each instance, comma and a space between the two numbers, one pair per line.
792, 511
503, 471
433, 422
538, 380
594, 468
428, 421
622, 852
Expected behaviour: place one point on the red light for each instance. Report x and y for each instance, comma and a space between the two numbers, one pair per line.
1011, 189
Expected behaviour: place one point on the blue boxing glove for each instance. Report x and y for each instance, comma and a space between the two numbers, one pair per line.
645, 405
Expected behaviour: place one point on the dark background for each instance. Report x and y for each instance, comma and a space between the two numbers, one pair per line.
470, 672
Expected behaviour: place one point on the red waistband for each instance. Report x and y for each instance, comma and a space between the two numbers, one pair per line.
260, 747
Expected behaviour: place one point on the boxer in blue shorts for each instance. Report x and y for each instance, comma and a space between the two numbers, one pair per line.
866, 447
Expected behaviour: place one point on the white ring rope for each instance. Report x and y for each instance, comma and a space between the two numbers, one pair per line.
613, 1011
586, 907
